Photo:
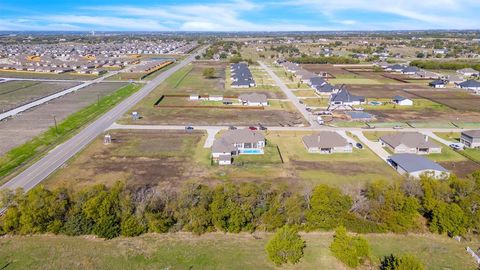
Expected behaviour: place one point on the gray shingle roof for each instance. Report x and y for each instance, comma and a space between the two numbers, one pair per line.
230, 137
470, 84
414, 163
325, 139
344, 96
409, 139
472, 133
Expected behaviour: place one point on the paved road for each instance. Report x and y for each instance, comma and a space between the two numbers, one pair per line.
376, 147
43, 100
278, 128
58, 156
295, 100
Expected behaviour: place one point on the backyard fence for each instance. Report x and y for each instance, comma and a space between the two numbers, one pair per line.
474, 255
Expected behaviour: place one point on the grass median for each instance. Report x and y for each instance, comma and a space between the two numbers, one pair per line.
34, 148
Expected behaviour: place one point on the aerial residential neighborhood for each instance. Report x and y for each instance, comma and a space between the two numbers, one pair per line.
240, 135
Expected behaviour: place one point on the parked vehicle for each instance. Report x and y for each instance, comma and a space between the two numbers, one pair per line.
262, 127
252, 128
457, 146
397, 127
359, 145
189, 128
232, 127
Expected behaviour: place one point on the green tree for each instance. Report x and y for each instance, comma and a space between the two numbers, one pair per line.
285, 246
352, 251
328, 208
448, 218
209, 73
105, 211
132, 226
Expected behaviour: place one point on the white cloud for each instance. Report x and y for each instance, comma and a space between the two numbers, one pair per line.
248, 15
432, 14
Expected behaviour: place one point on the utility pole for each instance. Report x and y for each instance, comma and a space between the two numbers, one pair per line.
55, 121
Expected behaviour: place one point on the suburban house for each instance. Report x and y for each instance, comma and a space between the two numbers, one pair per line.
415, 166
453, 79
438, 84
427, 74
470, 85
241, 76
395, 68
410, 70
317, 81
253, 99
326, 142
402, 101
237, 142
325, 89
468, 72
471, 138
343, 97
410, 142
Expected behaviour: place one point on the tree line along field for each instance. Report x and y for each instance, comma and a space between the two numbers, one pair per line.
211, 251
17, 93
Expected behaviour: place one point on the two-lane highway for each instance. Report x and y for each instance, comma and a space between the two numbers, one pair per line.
40, 170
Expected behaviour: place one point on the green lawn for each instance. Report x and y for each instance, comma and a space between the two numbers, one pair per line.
271, 156
316, 102
305, 93
418, 104
338, 169
35, 147
213, 251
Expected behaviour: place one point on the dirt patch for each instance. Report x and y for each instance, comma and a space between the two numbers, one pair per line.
384, 90
461, 168
333, 167
426, 114
330, 69
453, 98
142, 159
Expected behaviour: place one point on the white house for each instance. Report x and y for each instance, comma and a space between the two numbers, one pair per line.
402, 101
416, 166
253, 99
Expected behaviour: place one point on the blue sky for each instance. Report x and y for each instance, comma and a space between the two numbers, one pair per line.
239, 15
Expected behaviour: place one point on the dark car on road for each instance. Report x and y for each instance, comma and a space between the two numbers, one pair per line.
359, 146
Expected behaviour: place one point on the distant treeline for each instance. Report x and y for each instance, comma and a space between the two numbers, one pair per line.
452, 65
443, 206
324, 60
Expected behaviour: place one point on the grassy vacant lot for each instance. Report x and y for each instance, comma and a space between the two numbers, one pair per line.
213, 251
17, 93
37, 146
33, 75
